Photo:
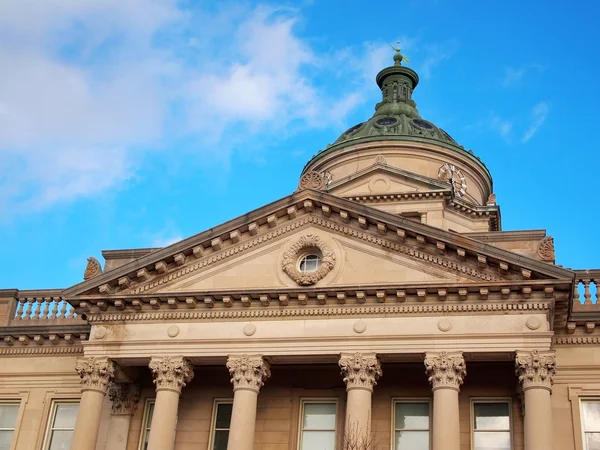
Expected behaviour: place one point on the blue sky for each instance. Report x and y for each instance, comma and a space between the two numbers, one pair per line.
135, 123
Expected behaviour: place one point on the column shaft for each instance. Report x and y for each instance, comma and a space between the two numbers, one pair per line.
248, 374
85, 434
358, 411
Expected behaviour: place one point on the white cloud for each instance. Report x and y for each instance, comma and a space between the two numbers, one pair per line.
538, 114
513, 76
502, 126
436, 54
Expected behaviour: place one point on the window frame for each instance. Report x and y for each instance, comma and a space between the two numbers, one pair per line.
213, 419
19, 401
396, 400
143, 428
511, 425
55, 402
583, 400
324, 400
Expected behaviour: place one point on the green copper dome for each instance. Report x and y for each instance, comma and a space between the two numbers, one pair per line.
396, 117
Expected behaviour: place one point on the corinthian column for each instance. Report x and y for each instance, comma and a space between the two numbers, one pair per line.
535, 371
171, 374
124, 398
446, 372
248, 375
361, 372
95, 374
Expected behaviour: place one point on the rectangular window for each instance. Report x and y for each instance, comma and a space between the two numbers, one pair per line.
317, 430
221, 423
412, 425
61, 425
8, 421
590, 421
491, 425
148, 413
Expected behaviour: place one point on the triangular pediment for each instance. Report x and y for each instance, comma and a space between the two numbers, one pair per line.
370, 247
381, 179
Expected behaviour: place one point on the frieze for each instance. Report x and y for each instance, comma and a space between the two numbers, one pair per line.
452, 264
321, 311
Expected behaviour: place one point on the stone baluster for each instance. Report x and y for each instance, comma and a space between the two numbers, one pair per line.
19, 311
44, 313
248, 375
446, 372
53, 309
361, 372
535, 371
171, 374
95, 374
587, 295
124, 398
62, 306
28, 308
36, 307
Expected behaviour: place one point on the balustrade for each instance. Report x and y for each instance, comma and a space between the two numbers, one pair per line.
43, 306
586, 294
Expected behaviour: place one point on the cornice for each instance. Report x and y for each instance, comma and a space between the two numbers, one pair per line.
508, 236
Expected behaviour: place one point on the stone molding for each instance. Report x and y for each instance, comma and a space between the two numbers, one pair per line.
445, 370
124, 398
576, 340
321, 311
290, 260
360, 370
95, 373
535, 369
46, 350
93, 269
545, 249
248, 371
311, 180
171, 373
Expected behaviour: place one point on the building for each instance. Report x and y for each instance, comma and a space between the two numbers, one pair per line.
388, 264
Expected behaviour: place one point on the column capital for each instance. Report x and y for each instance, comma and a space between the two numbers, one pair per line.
445, 370
171, 373
535, 369
95, 373
124, 398
248, 371
360, 370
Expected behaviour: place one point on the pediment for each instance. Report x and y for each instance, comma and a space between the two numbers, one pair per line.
381, 179
371, 247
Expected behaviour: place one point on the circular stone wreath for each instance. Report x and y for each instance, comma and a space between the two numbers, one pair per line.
291, 256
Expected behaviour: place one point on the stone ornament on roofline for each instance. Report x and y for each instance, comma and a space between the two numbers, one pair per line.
546, 249
445, 370
290, 259
248, 371
535, 369
360, 371
171, 373
311, 180
95, 373
93, 269
124, 398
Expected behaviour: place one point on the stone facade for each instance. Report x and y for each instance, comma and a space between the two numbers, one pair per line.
383, 284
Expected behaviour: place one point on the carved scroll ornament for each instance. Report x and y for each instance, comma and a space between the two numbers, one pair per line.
171, 373
124, 398
546, 249
93, 269
360, 371
535, 369
95, 373
290, 260
311, 180
248, 371
445, 370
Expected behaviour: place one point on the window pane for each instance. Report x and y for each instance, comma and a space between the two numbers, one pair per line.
412, 440
5, 439
60, 440
149, 416
412, 416
221, 439
8, 415
319, 416
591, 416
223, 415
491, 416
492, 440
318, 440
592, 441
66, 415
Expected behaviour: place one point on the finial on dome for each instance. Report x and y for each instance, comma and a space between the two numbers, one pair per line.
398, 58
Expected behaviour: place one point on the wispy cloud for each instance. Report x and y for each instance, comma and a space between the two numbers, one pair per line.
538, 117
514, 76
502, 126
436, 54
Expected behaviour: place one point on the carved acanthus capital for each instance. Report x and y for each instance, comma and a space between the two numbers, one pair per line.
171, 373
124, 398
360, 370
95, 373
535, 369
445, 370
248, 371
